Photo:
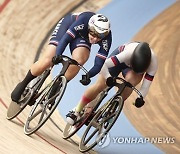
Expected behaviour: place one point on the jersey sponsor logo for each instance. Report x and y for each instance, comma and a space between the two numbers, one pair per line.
105, 44
79, 27
57, 27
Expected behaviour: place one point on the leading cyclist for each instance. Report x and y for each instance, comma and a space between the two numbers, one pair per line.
80, 31
135, 60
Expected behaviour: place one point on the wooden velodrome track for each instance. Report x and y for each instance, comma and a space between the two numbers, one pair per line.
160, 117
24, 25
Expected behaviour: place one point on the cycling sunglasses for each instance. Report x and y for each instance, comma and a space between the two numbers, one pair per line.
94, 33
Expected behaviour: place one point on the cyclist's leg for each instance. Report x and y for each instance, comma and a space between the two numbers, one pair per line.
45, 61
36, 69
89, 95
133, 78
81, 55
80, 50
92, 92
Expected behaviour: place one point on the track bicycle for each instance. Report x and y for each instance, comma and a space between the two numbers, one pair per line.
103, 118
45, 102
44, 98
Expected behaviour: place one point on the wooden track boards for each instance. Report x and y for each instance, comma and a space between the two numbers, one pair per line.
161, 113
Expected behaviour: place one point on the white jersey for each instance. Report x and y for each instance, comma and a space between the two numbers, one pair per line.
124, 56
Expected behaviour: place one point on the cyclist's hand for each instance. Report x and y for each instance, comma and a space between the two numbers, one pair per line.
139, 102
85, 80
110, 81
55, 60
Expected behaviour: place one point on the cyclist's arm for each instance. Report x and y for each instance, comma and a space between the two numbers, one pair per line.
98, 63
149, 76
101, 55
114, 61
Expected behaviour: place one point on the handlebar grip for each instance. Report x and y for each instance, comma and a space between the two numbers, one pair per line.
85, 79
130, 86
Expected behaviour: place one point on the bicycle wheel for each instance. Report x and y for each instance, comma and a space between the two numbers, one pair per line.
15, 109
100, 125
70, 130
44, 106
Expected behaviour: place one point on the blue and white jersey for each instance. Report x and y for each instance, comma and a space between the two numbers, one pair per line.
73, 30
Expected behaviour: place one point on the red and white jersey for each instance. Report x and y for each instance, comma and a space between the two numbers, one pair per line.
124, 56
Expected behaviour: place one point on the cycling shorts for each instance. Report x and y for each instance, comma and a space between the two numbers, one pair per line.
61, 28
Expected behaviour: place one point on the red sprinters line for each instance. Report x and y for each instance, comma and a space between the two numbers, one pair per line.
3, 5
4, 104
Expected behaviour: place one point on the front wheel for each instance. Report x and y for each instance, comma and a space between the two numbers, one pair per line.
100, 125
44, 106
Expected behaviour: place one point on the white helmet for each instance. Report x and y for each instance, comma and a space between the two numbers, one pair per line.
99, 25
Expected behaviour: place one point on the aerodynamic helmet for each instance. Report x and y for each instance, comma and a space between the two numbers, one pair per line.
141, 58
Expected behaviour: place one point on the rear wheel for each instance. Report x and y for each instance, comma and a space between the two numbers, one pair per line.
100, 125
44, 106
14, 108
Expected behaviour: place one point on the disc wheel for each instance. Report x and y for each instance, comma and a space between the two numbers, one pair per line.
15, 109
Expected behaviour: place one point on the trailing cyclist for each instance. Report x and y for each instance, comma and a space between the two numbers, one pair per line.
136, 60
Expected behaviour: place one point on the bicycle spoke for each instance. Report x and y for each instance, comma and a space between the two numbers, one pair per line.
109, 117
34, 115
88, 139
42, 115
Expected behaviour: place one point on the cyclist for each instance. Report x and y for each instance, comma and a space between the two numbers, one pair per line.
135, 60
80, 31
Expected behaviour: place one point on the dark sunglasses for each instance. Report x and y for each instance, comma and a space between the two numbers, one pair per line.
95, 34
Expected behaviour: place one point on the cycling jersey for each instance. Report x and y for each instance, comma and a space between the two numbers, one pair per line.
73, 30
120, 61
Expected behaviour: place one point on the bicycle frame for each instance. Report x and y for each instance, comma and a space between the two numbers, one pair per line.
44, 98
121, 87
99, 124
66, 62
